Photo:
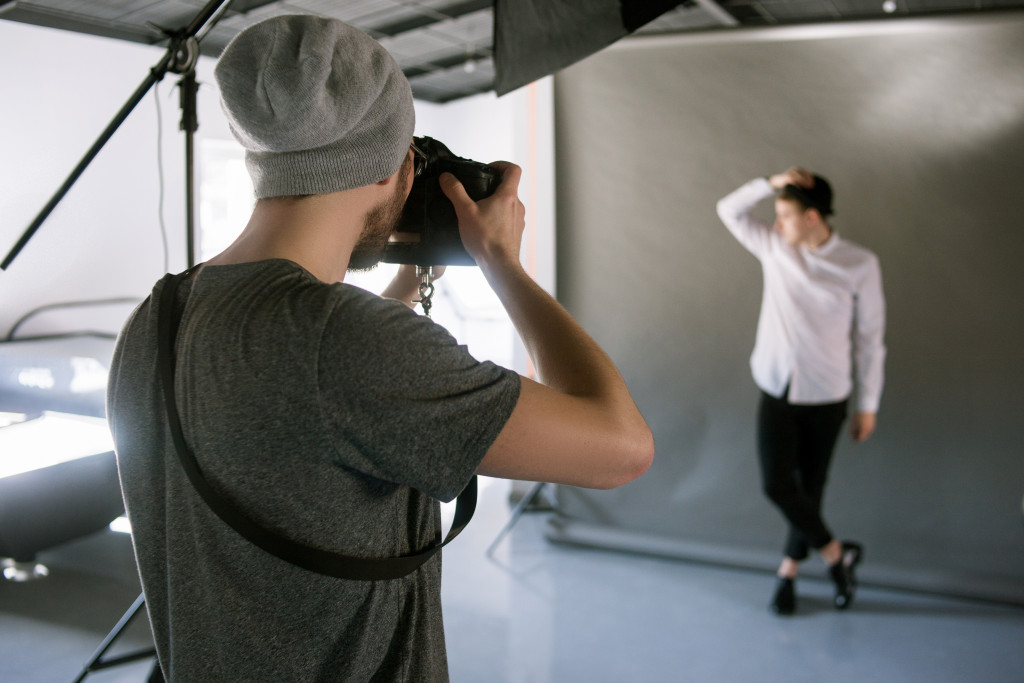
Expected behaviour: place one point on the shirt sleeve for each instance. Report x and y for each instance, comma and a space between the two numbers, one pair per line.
404, 402
868, 338
734, 211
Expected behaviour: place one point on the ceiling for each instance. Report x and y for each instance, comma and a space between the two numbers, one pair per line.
445, 47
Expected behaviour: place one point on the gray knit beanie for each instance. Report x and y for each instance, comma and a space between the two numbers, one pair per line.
318, 105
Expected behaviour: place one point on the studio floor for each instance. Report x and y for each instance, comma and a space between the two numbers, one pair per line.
538, 612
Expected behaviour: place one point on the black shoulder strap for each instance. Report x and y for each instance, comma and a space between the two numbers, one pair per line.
307, 557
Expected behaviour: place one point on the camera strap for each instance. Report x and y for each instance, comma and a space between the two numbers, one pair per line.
310, 558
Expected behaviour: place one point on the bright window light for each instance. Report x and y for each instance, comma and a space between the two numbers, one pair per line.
121, 525
51, 439
11, 418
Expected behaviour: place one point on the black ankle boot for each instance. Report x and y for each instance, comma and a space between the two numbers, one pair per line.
784, 601
842, 573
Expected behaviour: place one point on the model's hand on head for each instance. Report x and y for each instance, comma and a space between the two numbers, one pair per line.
491, 229
793, 176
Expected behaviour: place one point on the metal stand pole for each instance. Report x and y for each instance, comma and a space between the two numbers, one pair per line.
97, 663
189, 124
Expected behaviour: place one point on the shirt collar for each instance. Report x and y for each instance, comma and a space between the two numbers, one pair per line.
826, 246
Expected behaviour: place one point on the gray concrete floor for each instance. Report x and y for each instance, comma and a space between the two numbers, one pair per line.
543, 613
538, 612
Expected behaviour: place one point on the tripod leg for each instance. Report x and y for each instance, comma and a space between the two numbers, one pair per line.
96, 661
516, 514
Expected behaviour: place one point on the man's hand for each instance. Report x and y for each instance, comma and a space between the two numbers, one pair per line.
794, 176
405, 286
862, 426
491, 229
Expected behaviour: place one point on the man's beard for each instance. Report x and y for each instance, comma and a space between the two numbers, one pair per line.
379, 223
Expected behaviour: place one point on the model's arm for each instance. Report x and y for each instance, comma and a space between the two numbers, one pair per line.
579, 424
734, 211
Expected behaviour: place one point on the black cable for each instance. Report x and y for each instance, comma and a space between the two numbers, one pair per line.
67, 304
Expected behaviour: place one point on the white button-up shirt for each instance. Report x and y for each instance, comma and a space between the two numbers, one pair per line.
822, 311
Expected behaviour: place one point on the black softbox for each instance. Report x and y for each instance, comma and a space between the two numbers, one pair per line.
536, 38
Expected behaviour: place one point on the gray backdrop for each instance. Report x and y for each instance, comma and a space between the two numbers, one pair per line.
920, 127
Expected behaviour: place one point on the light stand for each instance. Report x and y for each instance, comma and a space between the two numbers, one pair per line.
517, 512
189, 124
97, 663
180, 58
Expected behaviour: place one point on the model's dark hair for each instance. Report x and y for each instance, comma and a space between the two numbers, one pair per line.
818, 197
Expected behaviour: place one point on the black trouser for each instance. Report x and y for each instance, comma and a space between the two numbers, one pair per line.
795, 445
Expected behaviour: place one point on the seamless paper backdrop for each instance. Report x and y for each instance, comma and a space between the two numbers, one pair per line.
919, 125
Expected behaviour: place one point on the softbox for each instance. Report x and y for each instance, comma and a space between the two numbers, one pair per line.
536, 38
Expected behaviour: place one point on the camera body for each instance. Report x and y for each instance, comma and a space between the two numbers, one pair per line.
428, 231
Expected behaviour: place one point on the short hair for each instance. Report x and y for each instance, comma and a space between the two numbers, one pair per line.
818, 196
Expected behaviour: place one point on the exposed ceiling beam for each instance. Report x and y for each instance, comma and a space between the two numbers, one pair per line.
244, 6
453, 11
445, 63
718, 12
452, 96
79, 23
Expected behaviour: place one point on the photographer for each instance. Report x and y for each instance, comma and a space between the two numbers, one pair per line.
822, 321
327, 414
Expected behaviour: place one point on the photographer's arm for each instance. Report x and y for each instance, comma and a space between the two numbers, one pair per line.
581, 426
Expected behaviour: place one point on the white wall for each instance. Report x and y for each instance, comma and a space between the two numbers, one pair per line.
60, 90
518, 128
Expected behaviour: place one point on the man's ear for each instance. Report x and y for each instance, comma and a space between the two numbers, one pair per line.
813, 216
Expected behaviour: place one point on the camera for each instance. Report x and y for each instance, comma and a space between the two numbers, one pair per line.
428, 231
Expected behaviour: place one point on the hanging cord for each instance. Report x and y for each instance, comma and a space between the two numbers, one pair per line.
11, 334
160, 176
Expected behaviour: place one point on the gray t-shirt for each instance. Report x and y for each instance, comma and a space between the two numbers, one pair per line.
330, 416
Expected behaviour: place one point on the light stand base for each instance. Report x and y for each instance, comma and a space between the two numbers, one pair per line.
97, 661
524, 503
